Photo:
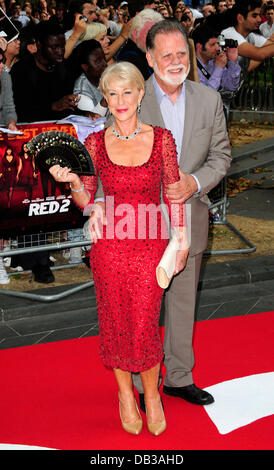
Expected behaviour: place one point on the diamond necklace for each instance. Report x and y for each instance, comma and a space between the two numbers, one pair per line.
127, 137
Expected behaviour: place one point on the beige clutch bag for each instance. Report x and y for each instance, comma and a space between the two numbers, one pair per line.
165, 269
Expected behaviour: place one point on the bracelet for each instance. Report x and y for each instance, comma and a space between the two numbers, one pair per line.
77, 190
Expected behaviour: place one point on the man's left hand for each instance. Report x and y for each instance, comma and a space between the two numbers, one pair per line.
182, 190
66, 102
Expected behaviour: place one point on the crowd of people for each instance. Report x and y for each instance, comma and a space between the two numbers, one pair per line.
34, 62
164, 74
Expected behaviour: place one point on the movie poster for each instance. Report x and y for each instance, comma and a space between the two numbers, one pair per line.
31, 201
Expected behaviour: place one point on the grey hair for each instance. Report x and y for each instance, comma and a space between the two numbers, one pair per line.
146, 15
165, 27
141, 24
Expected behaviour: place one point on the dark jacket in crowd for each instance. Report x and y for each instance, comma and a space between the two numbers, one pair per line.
130, 52
35, 90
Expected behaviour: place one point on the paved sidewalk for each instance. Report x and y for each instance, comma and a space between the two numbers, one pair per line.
238, 287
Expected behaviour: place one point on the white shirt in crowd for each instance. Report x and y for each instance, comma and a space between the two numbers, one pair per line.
196, 13
252, 38
266, 30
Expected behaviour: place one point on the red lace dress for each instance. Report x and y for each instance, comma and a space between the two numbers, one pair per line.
124, 261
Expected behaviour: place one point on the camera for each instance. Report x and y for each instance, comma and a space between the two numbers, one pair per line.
224, 43
185, 17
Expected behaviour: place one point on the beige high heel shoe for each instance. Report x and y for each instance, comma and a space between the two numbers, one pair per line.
157, 428
132, 428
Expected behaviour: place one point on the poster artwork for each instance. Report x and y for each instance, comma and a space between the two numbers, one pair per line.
31, 201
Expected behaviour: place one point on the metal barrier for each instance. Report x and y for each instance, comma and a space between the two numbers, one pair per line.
49, 241
256, 93
218, 198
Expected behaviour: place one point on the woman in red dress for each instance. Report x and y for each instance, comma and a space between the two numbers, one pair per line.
9, 171
133, 160
27, 171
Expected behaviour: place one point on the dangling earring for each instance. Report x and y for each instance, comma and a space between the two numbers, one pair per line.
139, 108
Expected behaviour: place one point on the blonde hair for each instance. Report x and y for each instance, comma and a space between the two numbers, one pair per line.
124, 72
103, 12
92, 31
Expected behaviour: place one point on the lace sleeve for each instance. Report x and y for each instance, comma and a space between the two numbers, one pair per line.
171, 175
90, 182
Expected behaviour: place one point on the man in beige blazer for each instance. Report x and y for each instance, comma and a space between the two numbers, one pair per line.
204, 158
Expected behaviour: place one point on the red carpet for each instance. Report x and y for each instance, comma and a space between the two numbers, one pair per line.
58, 395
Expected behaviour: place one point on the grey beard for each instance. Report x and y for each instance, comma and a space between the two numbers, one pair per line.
165, 79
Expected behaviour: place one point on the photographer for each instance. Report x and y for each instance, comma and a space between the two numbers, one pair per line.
220, 6
79, 13
218, 68
208, 9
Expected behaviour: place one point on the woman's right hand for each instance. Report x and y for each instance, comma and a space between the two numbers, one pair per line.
96, 221
64, 175
126, 28
183, 249
181, 259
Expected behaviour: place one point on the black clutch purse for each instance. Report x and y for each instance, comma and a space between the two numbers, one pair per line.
59, 148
